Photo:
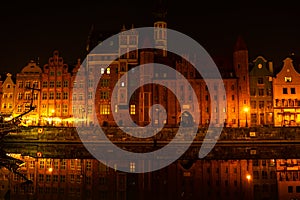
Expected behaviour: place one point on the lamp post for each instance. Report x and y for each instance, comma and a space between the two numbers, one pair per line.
52, 116
246, 110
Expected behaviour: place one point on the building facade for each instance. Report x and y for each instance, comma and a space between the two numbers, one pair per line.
286, 87
261, 92
27, 92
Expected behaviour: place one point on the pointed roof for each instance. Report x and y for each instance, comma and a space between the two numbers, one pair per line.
240, 44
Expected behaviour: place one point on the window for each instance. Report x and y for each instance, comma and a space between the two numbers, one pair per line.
298, 189
19, 108
290, 189
90, 82
58, 95
108, 70
65, 95
104, 109
65, 109
102, 71
66, 83
132, 109
19, 95
35, 84
27, 84
293, 91
104, 95
260, 92
51, 95
260, 81
20, 84
51, 84
90, 95
58, 84
261, 104
45, 84
288, 79
284, 91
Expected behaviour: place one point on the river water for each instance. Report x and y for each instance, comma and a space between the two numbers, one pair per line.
229, 171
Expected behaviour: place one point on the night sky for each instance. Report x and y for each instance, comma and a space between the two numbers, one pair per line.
31, 30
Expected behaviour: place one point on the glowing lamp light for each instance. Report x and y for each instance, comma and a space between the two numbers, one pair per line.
50, 169
246, 109
248, 177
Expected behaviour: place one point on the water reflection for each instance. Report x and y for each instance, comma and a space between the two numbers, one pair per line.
69, 172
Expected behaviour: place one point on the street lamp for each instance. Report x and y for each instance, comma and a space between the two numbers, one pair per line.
246, 110
52, 116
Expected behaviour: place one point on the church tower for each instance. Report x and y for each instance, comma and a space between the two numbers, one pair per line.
160, 28
241, 67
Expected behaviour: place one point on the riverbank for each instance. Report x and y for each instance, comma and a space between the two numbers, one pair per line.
50, 134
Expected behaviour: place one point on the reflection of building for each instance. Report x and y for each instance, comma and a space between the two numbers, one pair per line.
288, 180
286, 99
264, 179
29, 77
55, 178
261, 94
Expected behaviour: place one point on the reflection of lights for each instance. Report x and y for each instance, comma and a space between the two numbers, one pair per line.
50, 169
248, 177
246, 110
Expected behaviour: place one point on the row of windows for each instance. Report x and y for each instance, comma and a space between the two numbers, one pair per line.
285, 91
58, 95
261, 92
52, 84
35, 84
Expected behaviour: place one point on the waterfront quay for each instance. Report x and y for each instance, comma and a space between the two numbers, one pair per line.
53, 134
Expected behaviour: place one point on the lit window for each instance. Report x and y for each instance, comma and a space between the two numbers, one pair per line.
104, 109
288, 79
122, 84
132, 167
132, 109
108, 70
102, 70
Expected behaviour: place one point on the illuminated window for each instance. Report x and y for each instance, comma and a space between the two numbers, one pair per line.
132, 109
58, 84
102, 71
122, 84
288, 79
108, 70
20, 84
104, 109
104, 95
132, 167
19, 108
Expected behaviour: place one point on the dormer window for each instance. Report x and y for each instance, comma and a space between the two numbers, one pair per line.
288, 79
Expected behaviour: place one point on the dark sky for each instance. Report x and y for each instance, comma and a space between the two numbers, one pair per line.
31, 29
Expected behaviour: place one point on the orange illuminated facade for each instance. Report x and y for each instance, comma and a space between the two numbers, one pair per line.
286, 98
56, 92
29, 78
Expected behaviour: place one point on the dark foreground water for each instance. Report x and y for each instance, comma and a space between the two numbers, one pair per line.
230, 171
